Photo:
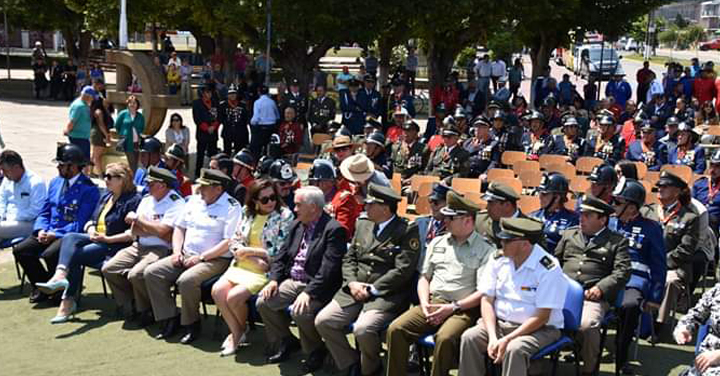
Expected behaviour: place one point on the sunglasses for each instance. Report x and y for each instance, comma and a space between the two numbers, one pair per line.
108, 176
266, 199
342, 148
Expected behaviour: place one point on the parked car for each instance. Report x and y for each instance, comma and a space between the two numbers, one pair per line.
587, 62
710, 45
630, 45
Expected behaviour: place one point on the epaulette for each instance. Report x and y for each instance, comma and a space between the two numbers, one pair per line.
498, 254
175, 196
233, 202
547, 262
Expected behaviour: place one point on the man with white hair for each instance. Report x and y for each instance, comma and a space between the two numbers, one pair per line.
304, 276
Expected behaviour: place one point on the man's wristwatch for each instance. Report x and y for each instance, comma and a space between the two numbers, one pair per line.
202, 258
456, 307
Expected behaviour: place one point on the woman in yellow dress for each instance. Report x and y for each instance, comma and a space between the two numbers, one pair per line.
260, 232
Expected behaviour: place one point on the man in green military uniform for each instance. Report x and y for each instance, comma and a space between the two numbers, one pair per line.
410, 156
447, 290
597, 258
501, 203
377, 269
449, 160
681, 227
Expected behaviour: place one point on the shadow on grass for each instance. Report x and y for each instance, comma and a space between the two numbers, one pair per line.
13, 293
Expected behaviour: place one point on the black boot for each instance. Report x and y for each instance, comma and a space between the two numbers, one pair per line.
170, 328
315, 360
192, 332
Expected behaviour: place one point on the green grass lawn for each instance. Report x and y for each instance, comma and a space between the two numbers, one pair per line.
96, 343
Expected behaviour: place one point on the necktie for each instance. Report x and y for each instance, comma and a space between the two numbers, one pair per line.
66, 185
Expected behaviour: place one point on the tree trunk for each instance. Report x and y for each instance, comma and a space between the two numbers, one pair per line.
206, 43
154, 39
70, 48
540, 56
84, 45
385, 54
228, 44
297, 63
440, 63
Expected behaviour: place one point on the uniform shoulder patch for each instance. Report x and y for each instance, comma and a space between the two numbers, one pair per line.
233, 202
547, 262
414, 244
498, 254
175, 196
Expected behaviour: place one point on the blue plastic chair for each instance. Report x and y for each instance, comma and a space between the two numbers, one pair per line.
572, 315
703, 331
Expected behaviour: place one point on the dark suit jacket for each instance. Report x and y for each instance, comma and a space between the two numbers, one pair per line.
323, 264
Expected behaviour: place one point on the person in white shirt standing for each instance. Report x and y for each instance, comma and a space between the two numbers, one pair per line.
498, 69
22, 194
483, 72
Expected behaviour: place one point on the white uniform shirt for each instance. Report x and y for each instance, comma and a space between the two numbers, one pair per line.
518, 293
22, 201
207, 225
166, 211
483, 69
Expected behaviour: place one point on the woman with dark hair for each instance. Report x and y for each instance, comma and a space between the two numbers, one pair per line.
260, 232
681, 228
130, 124
707, 115
105, 234
626, 169
687, 152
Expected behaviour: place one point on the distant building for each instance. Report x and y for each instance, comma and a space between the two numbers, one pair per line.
710, 15
689, 10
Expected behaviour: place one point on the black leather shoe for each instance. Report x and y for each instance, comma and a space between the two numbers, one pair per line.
315, 360
287, 346
36, 296
355, 370
192, 333
170, 327
146, 319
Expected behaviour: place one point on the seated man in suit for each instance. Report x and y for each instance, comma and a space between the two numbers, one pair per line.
376, 271
304, 276
69, 204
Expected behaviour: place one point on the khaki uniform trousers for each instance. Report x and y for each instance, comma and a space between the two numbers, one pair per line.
411, 325
332, 323
277, 321
125, 273
160, 277
674, 285
474, 342
592, 315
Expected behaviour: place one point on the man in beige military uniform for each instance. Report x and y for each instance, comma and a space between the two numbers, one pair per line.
597, 258
447, 289
377, 269
200, 251
152, 224
523, 292
501, 203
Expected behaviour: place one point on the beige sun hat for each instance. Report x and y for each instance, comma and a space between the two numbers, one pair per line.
357, 168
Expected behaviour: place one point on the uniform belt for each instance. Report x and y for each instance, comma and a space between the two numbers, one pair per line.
640, 267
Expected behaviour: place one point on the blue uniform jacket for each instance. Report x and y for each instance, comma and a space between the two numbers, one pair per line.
139, 179
647, 255
115, 218
653, 162
369, 102
701, 192
555, 224
695, 159
353, 114
65, 213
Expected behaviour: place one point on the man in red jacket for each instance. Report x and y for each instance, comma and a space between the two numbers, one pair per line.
205, 115
704, 88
